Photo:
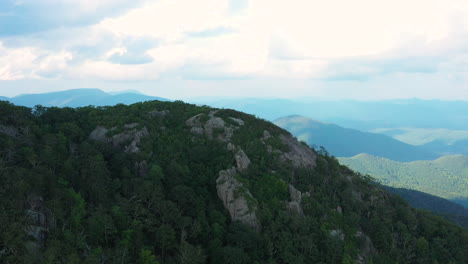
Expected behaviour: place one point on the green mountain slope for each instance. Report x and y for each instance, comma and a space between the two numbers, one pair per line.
445, 177
344, 142
450, 210
162, 182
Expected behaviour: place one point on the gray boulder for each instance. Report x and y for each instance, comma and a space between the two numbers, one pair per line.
237, 199
242, 160
299, 155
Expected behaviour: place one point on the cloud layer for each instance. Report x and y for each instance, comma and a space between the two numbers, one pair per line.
290, 48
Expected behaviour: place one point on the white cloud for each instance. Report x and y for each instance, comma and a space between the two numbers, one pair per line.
296, 40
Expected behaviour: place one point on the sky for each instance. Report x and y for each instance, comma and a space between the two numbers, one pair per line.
334, 49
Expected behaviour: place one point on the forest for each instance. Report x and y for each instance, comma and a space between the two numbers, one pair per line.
140, 184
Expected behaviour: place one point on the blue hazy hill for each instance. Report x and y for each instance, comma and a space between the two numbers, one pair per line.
79, 98
345, 142
361, 115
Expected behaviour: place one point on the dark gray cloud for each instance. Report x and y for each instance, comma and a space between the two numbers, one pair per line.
29, 16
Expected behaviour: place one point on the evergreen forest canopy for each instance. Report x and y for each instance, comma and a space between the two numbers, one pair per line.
157, 182
446, 177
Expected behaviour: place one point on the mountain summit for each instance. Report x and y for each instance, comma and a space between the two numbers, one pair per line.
169, 182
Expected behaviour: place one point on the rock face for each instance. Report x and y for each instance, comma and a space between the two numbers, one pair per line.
159, 114
367, 249
9, 131
128, 139
242, 160
337, 233
212, 126
237, 199
299, 155
295, 206
141, 168
41, 221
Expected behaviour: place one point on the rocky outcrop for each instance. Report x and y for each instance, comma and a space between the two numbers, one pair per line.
128, 139
212, 126
337, 233
141, 168
239, 202
295, 205
40, 223
240, 122
299, 155
9, 131
242, 160
266, 135
366, 250
159, 114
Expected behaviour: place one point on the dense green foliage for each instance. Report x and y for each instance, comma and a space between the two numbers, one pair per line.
452, 211
445, 177
99, 204
345, 142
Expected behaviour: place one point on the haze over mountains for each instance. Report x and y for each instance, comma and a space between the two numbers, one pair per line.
81, 97
361, 115
345, 142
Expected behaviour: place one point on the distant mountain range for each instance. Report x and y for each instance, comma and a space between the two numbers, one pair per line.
345, 142
446, 177
361, 115
80, 97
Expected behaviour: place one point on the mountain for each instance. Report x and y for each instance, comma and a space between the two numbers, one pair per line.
80, 98
361, 115
169, 182
345, 142
442, 141
446, 177
450, 210
125, 92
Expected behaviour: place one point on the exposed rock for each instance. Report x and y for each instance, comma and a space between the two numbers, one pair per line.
339, 209
212, 124
131, 125
242, 160
9, 131
196, 131
41, 221
231, 147
266, 135
159, 114
141, 168
294, 206
269, 149
213, 128
99, 134
295, 194
337, 233
130, 137
299, 155
237, 199
195, 121
240, 122
367, 249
